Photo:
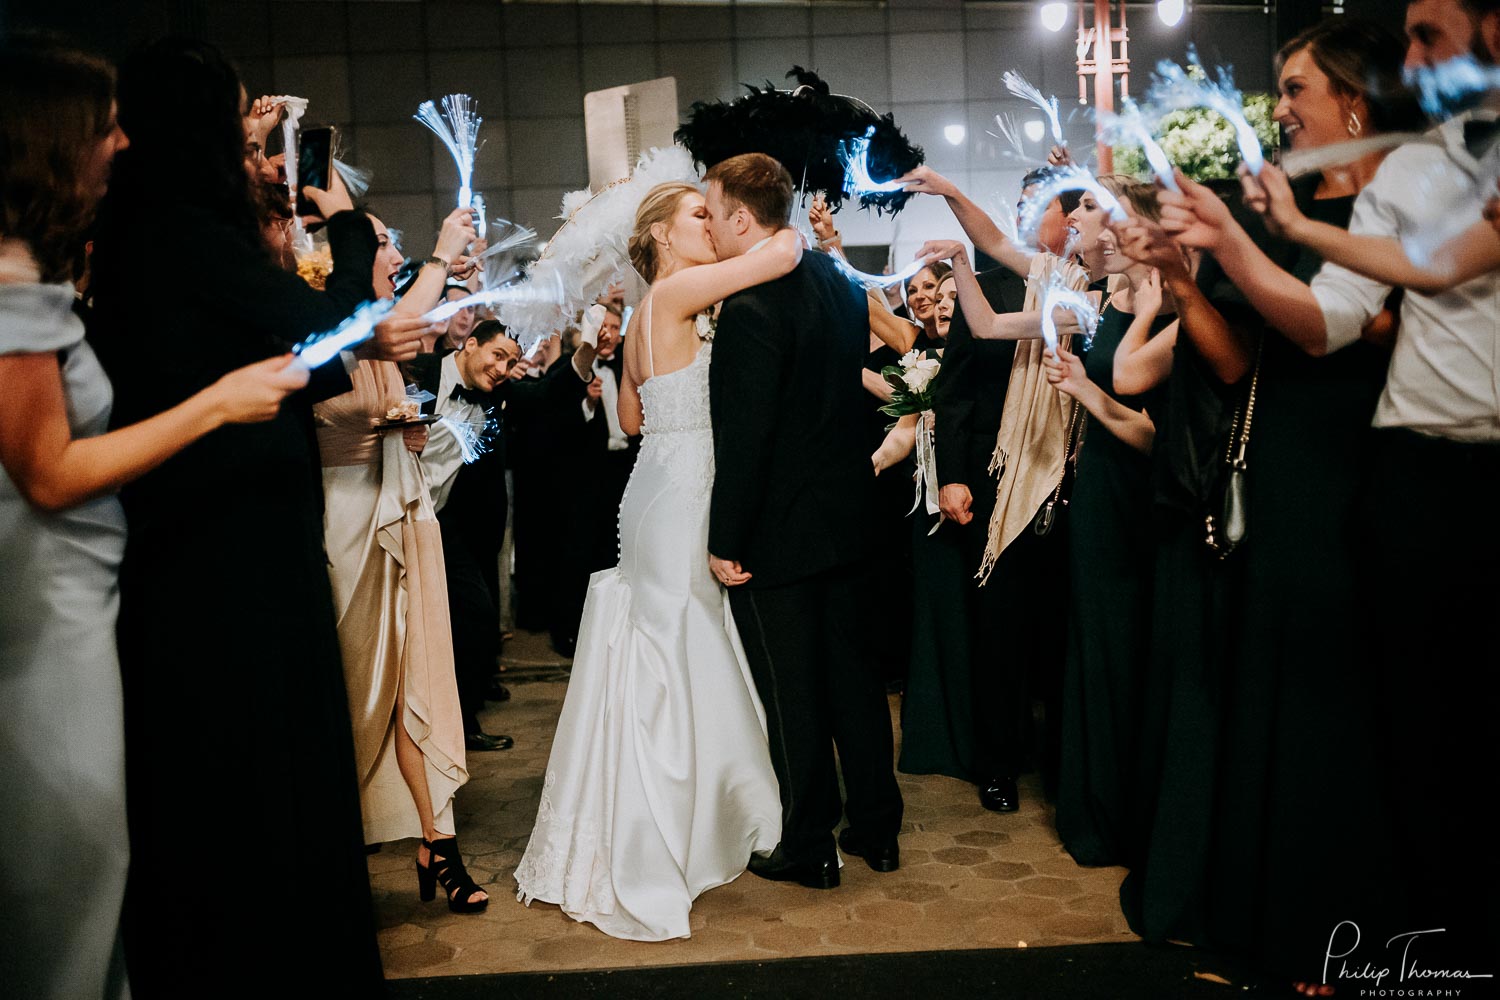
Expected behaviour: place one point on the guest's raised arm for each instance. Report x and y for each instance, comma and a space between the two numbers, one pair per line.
1227, 350
1197, 218
456, 234
1471, 253
54, 470
1143, 361
981, 230
984, 322
896, 333
1065, 373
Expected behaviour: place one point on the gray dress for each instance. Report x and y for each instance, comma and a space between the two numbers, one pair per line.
63, 846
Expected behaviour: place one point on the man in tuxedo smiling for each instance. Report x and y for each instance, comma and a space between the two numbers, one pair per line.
468, 491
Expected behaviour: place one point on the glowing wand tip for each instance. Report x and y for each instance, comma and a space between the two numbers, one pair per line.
855, 156
321, 348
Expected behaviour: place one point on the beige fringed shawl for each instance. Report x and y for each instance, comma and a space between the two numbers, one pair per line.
1031, 448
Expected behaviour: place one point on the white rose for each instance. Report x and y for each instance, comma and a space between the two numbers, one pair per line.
916, 379
706, 326
910, 359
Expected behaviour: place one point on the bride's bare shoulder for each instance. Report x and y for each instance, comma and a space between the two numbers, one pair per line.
661, 314
659, 341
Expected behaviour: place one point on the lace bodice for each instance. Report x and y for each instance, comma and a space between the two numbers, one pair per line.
677, 401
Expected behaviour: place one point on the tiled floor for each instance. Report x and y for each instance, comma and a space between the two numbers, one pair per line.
968, 878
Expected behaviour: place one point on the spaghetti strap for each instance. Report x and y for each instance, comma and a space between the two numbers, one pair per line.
650, 356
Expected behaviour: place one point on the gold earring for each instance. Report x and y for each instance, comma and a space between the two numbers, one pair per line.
1355, 126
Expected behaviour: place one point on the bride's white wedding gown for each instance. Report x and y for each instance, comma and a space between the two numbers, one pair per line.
659, 785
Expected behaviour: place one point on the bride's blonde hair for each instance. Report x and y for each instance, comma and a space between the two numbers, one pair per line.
659, 205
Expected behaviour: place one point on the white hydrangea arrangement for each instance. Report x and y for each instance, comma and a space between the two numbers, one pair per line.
1200, 142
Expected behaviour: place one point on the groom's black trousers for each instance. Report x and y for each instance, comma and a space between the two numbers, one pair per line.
808, 650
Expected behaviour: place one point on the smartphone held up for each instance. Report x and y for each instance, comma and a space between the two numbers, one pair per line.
314, 164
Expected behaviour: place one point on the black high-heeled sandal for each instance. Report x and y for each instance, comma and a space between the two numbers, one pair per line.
446, 865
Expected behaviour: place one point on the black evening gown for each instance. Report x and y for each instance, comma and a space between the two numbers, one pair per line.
248, 873
890, 539
937, 714
1266, 827
1111, 552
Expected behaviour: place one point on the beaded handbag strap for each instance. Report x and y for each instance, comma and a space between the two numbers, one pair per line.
1239, 432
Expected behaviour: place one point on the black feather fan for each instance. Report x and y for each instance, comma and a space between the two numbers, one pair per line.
803, 128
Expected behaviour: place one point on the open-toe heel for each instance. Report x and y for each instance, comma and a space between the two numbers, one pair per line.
446, 866
426, 880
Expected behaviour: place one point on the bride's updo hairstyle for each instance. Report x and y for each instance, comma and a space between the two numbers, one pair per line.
659, 206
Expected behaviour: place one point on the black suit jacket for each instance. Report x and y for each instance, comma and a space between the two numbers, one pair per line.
544, 418
793, 484
969, 395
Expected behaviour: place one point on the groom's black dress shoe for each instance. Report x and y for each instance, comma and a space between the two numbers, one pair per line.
484, 741
812, 874
880, 855
1000, 795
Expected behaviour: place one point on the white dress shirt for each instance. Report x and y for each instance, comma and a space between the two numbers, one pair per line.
1444, 377
444, 455
609, 398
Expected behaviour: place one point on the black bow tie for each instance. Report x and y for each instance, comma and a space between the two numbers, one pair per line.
466, 395
1479, 136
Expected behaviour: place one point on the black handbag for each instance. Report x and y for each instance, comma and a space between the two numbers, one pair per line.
1226, 524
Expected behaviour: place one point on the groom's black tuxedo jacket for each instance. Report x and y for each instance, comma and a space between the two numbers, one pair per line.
793, 484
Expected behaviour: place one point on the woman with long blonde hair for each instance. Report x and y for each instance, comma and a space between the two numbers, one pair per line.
660, 783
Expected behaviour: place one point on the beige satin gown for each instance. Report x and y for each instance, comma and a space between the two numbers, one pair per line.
386, 565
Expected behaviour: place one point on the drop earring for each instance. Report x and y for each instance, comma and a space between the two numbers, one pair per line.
1355, 126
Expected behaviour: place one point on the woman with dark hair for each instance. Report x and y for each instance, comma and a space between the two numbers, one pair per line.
237, 727
386, 564
937, 731
1110, 551
1015, 638
62, 532
1262, 821
922, 301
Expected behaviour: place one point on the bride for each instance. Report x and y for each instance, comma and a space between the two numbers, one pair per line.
660, 785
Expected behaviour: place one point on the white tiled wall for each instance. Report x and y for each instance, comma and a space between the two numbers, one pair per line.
367, 64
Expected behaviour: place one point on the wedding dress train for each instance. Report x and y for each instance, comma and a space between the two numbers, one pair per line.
659, 785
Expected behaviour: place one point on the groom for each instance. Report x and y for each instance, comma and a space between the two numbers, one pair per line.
793, 487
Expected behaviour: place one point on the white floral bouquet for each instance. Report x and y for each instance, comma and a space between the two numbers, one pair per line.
911, 384
1202, 143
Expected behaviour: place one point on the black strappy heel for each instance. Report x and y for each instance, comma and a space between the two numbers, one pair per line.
446, 865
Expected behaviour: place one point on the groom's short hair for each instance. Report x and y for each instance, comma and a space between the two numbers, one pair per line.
758, 182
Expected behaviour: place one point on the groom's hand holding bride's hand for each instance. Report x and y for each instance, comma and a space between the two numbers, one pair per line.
727, 571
